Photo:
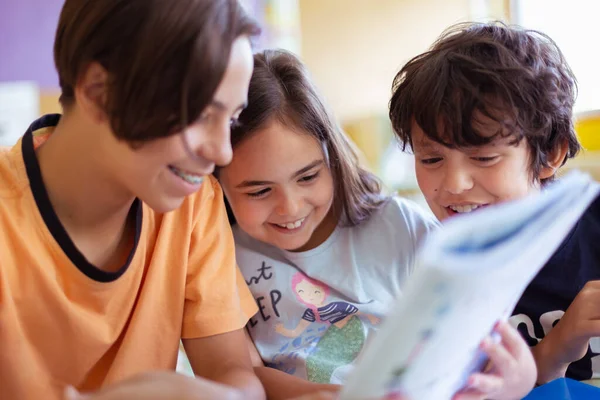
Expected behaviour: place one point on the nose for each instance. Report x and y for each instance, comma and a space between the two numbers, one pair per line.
213, 145
288, 205
457, 179
218, 146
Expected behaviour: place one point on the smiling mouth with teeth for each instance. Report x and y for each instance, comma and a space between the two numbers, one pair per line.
292, 225
467, 208
192, 179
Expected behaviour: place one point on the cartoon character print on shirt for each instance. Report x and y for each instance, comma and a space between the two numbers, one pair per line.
344, 336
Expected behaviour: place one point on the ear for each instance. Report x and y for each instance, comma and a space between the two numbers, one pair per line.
91, 91
556, 158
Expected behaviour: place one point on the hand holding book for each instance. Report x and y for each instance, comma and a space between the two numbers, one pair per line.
510, 373
568, 341
470, 275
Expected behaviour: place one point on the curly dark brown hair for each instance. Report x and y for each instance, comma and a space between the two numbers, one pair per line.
516, 77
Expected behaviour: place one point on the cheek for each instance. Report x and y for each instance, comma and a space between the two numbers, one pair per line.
426, 179
142, 168
147, 165
508, 181
164, 150
249, 213
322, 194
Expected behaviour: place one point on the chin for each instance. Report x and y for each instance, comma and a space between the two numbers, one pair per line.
164, 205
291, 246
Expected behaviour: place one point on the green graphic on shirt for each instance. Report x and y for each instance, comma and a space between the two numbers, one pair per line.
336, 348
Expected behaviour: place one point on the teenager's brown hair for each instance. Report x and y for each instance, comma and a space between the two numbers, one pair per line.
514, 76
164, 59
280, 90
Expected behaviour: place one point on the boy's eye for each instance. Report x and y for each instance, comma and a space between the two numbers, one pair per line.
309, 178
485, 159
431, 161
234, 123
259, 193
204, 117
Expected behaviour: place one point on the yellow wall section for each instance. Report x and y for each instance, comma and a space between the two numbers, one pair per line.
354, 48
588, 130
49, 102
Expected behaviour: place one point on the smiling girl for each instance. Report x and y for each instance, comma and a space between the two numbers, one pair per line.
304, 205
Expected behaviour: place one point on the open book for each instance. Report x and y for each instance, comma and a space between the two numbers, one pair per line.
469, 275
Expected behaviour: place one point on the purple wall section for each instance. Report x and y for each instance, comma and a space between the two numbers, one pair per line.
27, 30
256, 9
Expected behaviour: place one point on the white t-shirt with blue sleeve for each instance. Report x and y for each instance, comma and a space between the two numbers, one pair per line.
318, 307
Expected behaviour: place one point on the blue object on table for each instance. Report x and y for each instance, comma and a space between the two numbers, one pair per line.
564, 389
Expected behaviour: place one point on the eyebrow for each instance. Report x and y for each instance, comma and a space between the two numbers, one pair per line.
424, 145
301, 171
222, 107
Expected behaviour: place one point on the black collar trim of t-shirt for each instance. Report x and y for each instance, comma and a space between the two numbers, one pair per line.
51, 219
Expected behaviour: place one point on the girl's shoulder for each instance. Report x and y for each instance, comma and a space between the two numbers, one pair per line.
248, 247
399, 213
399, 223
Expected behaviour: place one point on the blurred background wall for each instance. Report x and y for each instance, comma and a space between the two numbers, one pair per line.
353, 49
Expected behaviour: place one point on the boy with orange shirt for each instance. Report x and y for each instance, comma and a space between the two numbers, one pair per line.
115, 241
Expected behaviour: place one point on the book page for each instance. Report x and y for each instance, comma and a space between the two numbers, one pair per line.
469, 275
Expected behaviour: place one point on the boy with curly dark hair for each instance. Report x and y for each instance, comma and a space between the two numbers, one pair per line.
487, 112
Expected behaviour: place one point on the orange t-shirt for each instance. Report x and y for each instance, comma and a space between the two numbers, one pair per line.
63, 321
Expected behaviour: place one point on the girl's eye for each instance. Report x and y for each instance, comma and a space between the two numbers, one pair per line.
260, 193
431, 161
309, 178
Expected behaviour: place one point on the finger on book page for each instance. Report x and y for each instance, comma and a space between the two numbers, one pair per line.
480, 387
73, 394
320, 395
470, 394
500, 359
484, 383
510, 338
